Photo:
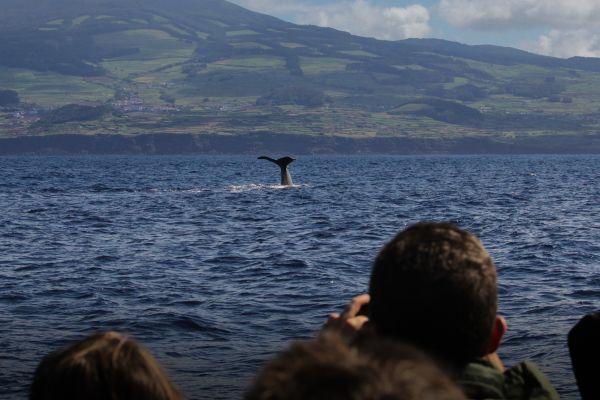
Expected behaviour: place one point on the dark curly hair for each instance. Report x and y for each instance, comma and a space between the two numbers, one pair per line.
434, 285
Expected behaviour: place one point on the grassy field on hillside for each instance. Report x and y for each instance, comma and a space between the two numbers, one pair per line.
182, 67
49, 89
318, 65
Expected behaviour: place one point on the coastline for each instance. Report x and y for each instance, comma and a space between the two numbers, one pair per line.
157, 144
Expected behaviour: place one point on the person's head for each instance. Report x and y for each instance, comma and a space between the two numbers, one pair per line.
328, 369
105, 366
434, 285
584, 347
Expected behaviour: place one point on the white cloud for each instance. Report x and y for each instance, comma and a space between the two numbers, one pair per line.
358, 17
569, 43
274, 7
572, 26
523, 14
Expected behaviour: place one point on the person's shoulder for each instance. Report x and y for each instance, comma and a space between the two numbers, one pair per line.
526, 381
481, 380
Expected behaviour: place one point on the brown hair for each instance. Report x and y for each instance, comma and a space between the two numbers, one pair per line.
327, 369
106, 366
434, 285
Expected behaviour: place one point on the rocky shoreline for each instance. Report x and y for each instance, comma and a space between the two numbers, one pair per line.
293, 144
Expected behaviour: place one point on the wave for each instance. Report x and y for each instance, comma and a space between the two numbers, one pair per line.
52, 190
37, 210
100, 188
179, 190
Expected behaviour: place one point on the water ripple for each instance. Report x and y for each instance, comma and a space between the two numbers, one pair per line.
214, 266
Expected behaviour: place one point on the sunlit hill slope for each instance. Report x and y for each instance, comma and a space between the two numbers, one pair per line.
209, 67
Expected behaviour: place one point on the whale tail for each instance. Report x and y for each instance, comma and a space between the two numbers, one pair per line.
283, 162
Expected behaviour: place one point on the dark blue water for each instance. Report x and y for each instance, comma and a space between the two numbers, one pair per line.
213, 268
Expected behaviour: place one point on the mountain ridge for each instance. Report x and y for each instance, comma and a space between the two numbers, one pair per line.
37, 12
209, 66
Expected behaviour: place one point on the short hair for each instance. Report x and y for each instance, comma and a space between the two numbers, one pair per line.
106, 366
328, 369
584, 347
434, 286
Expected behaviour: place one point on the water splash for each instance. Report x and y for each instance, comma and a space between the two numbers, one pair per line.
260, 186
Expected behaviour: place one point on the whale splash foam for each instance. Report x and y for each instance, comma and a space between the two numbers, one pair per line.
254, 186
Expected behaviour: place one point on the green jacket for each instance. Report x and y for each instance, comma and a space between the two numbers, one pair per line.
480, 380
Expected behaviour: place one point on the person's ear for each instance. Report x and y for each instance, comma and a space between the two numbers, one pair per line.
498, 330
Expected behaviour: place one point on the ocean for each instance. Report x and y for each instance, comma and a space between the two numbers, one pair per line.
214, 267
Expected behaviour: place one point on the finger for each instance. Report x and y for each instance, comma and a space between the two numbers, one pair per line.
333, 317
355, 305
357, 322
332, 320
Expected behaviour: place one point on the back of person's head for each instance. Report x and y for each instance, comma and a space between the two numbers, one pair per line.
584, 346
434, 285
106, 366
327, 369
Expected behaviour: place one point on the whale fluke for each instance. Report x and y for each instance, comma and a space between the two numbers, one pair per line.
283, 162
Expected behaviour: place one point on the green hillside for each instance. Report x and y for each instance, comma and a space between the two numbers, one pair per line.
207, 66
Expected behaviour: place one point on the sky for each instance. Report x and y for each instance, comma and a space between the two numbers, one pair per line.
561, 28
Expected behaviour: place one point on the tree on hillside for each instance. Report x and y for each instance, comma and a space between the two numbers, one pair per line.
465, 92
294, 95
72, 113
535, 88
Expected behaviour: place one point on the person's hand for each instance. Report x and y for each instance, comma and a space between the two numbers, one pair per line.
349, 322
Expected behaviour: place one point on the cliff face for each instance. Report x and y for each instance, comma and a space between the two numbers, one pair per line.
294, 144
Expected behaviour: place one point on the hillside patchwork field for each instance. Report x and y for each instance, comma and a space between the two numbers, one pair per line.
210, 67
